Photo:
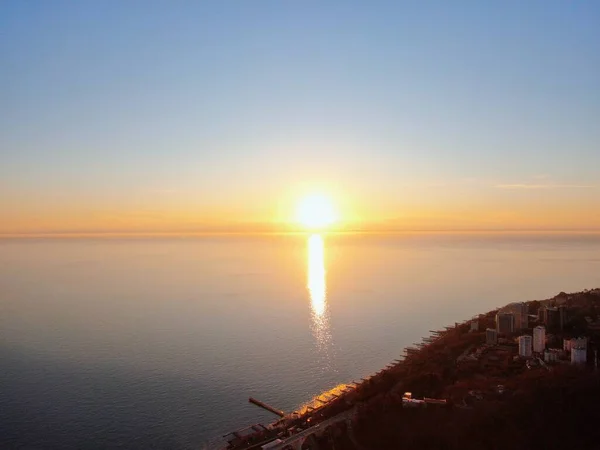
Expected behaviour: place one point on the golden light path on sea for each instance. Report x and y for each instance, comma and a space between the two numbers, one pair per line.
317, 289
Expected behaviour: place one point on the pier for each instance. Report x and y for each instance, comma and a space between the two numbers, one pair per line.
263, 405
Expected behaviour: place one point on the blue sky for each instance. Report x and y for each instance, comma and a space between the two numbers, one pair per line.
167, 115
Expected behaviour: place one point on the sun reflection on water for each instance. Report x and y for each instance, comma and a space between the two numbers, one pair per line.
316, 274
317, 289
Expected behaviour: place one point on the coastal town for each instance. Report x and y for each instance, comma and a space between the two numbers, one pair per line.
483, 367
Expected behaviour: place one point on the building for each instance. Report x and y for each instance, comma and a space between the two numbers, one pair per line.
569, 344
562, 316
408, 400
578, 355
474, 325
553, 354
491, 336
505, 323
580, 342
520, 312
541, 314
525, 346
539, 339
551, 317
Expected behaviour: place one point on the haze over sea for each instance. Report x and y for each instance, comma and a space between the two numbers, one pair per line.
158, 343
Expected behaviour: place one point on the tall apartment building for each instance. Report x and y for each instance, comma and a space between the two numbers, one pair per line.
505, 323
562, 316
520, 311
525, 346
541, 314
539, 339
578, 355
551, 317
491, 336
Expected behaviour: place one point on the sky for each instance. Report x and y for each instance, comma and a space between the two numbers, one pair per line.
185, 116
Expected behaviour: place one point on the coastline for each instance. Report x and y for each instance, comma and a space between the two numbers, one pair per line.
449, 347
343, 397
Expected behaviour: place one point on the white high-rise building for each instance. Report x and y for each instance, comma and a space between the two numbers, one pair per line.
525, 346
578, 355
539, 339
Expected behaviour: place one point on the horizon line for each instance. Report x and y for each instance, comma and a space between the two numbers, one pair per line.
158, 234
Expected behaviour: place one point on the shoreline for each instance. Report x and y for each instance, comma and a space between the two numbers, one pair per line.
449, 347
344, 397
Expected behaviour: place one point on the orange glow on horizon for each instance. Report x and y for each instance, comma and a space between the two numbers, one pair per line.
325, 208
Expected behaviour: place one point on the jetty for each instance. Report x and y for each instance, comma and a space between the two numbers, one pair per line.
263, 405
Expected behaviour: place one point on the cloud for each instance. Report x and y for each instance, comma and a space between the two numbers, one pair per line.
545, 186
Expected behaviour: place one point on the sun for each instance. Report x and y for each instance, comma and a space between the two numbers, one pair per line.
316, 211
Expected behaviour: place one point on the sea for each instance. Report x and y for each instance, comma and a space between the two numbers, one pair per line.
158, 342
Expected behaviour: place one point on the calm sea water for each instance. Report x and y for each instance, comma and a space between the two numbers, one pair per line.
158, 343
